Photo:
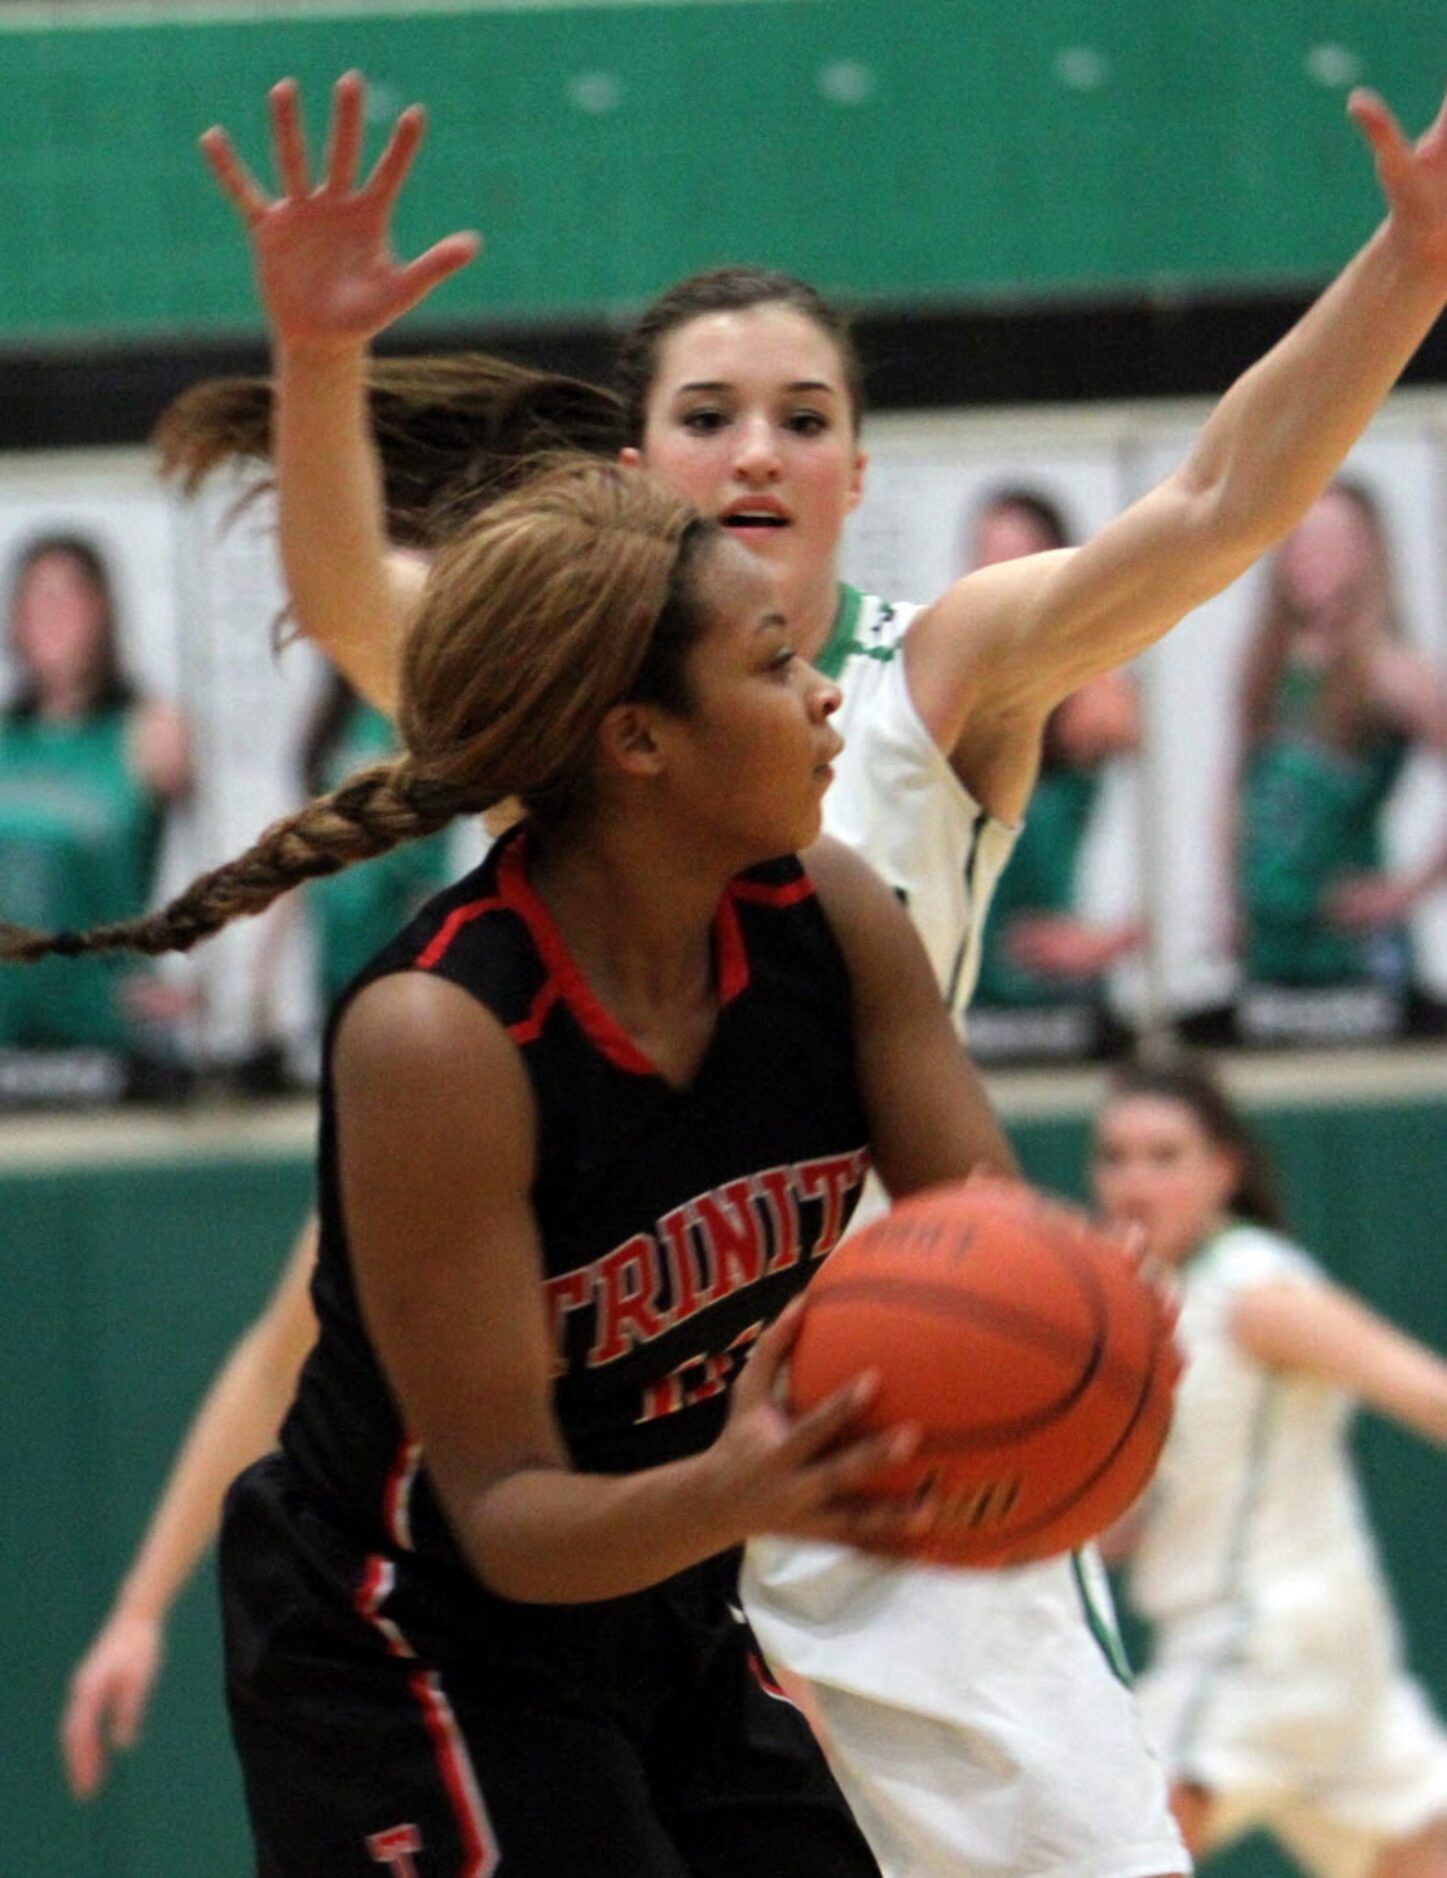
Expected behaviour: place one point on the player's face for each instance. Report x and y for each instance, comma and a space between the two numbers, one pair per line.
749, 419
751, 756
1329, 556
1005, 532
59, 622
1156, 1168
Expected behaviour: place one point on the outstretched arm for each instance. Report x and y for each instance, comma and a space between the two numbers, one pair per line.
989, 659
329, 283
235, 1424
1327, 1332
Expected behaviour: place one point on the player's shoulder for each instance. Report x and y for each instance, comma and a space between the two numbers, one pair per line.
1246, 1254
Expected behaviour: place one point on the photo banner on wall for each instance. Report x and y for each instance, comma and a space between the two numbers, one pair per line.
1244, 842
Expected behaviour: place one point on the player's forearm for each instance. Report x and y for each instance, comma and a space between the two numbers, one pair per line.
546, 1535
235, 1425
331, 512
1281, 431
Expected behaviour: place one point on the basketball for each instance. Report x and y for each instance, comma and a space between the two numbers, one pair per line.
1037, 1362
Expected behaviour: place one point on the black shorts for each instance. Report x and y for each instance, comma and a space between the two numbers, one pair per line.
393, 1717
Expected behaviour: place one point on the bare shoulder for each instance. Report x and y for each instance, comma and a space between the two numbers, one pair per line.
847, 885
880, 946
416, 1039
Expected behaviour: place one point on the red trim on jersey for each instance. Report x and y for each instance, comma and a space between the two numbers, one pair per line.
474, 1828
529, 1028
765, 1681
731, 957
518, 895
397, 1495
448, 930
767, 893
730, 951
469, 1810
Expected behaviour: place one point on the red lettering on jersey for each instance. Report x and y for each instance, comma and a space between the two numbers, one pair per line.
568, 1292
394, 1848
698, 1379
662, 1398
775, 1189
733, 1238
627, 1284
713, 1378
682, 1266
831, 1179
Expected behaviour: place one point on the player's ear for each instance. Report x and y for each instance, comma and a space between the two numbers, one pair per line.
628, 742
856, 481
630, 456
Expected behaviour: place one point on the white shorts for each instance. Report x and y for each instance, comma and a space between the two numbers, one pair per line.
1335, 1749
978, 1722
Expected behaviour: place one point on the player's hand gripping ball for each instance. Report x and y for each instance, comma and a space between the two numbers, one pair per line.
1036, 1359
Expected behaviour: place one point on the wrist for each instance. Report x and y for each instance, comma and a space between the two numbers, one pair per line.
321, 359
140, 1604
710, 1501
1417, 256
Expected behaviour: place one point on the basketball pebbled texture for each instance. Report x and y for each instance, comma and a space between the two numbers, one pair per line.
1037, 1362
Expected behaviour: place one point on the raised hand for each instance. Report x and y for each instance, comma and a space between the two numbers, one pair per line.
1413, 175
324, 263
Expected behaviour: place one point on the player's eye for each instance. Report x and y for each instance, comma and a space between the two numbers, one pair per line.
808, 423
703, 422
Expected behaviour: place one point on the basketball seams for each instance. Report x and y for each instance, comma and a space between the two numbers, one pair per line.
950, 1290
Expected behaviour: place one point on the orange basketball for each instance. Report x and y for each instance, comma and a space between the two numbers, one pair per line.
1037, 1362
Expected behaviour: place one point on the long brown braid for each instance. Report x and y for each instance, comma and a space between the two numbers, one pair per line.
556, 603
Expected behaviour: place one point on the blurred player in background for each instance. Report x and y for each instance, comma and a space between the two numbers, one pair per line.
1276, 1690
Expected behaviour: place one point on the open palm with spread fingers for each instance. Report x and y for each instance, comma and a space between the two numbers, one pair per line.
324, 264
1412, 174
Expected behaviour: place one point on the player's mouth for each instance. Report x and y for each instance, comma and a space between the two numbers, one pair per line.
824, 769
761, 514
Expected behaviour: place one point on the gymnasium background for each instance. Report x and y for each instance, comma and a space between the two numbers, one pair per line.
1063, 226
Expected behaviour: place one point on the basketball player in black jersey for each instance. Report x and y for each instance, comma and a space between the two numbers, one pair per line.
588, 1126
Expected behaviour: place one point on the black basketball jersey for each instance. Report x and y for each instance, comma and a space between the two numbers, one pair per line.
674, 1223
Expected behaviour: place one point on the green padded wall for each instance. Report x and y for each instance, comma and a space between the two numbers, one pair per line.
125, 1285
894, 150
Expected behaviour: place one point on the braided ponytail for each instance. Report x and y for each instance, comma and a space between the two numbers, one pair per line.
375, 810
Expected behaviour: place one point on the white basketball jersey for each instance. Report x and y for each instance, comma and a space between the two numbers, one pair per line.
977, 1721
1254, 1501
897, 800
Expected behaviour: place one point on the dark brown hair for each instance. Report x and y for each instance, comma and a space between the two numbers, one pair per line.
452, 432
1189, 1083
558, 601
725, 290
110, 690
